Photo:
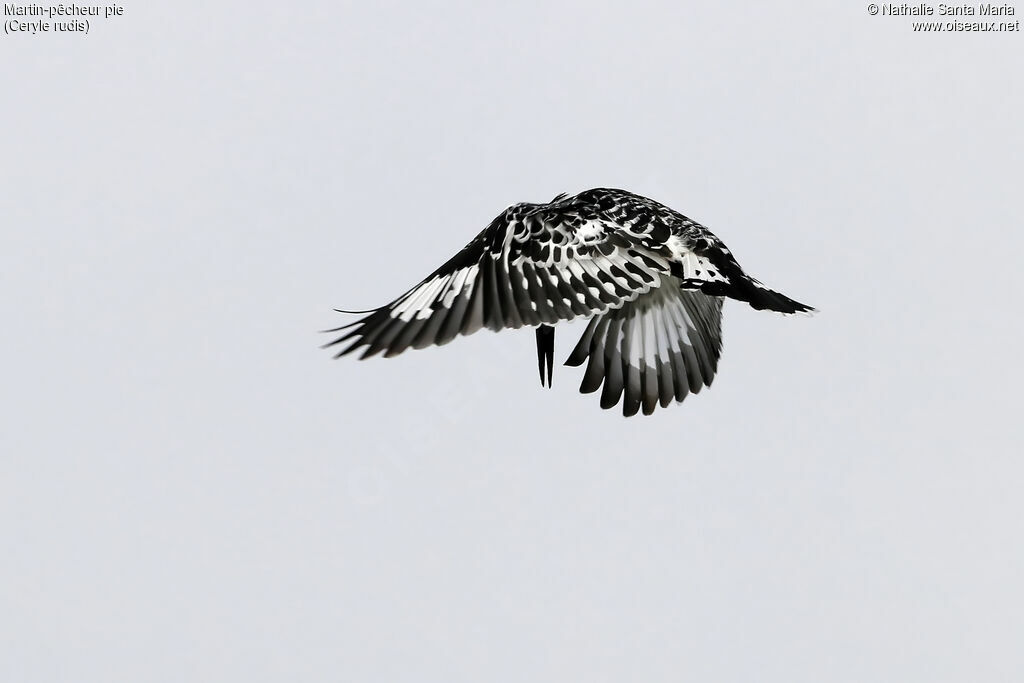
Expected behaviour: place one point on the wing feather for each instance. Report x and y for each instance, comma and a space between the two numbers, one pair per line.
538, 294
666, 379
594, 374
659, 347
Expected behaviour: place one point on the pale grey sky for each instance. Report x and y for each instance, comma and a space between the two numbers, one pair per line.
191, 491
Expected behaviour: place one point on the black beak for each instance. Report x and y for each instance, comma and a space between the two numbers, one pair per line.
545, 352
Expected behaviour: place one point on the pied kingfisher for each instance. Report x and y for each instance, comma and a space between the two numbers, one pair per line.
650, 280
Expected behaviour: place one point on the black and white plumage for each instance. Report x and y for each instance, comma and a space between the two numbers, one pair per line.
650, 280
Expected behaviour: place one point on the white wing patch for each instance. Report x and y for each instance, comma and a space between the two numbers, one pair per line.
463, 281
418, 303
591, 231
699, 269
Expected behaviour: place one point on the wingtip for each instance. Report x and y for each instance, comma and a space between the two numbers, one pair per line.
343, 310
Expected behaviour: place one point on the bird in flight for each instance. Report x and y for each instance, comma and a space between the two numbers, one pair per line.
650, 280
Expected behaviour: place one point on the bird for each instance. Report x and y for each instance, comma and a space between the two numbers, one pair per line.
650, 281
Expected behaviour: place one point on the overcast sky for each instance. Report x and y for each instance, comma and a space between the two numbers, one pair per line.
190, 490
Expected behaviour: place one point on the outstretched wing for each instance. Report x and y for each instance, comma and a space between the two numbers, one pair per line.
660, 347
534, 264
